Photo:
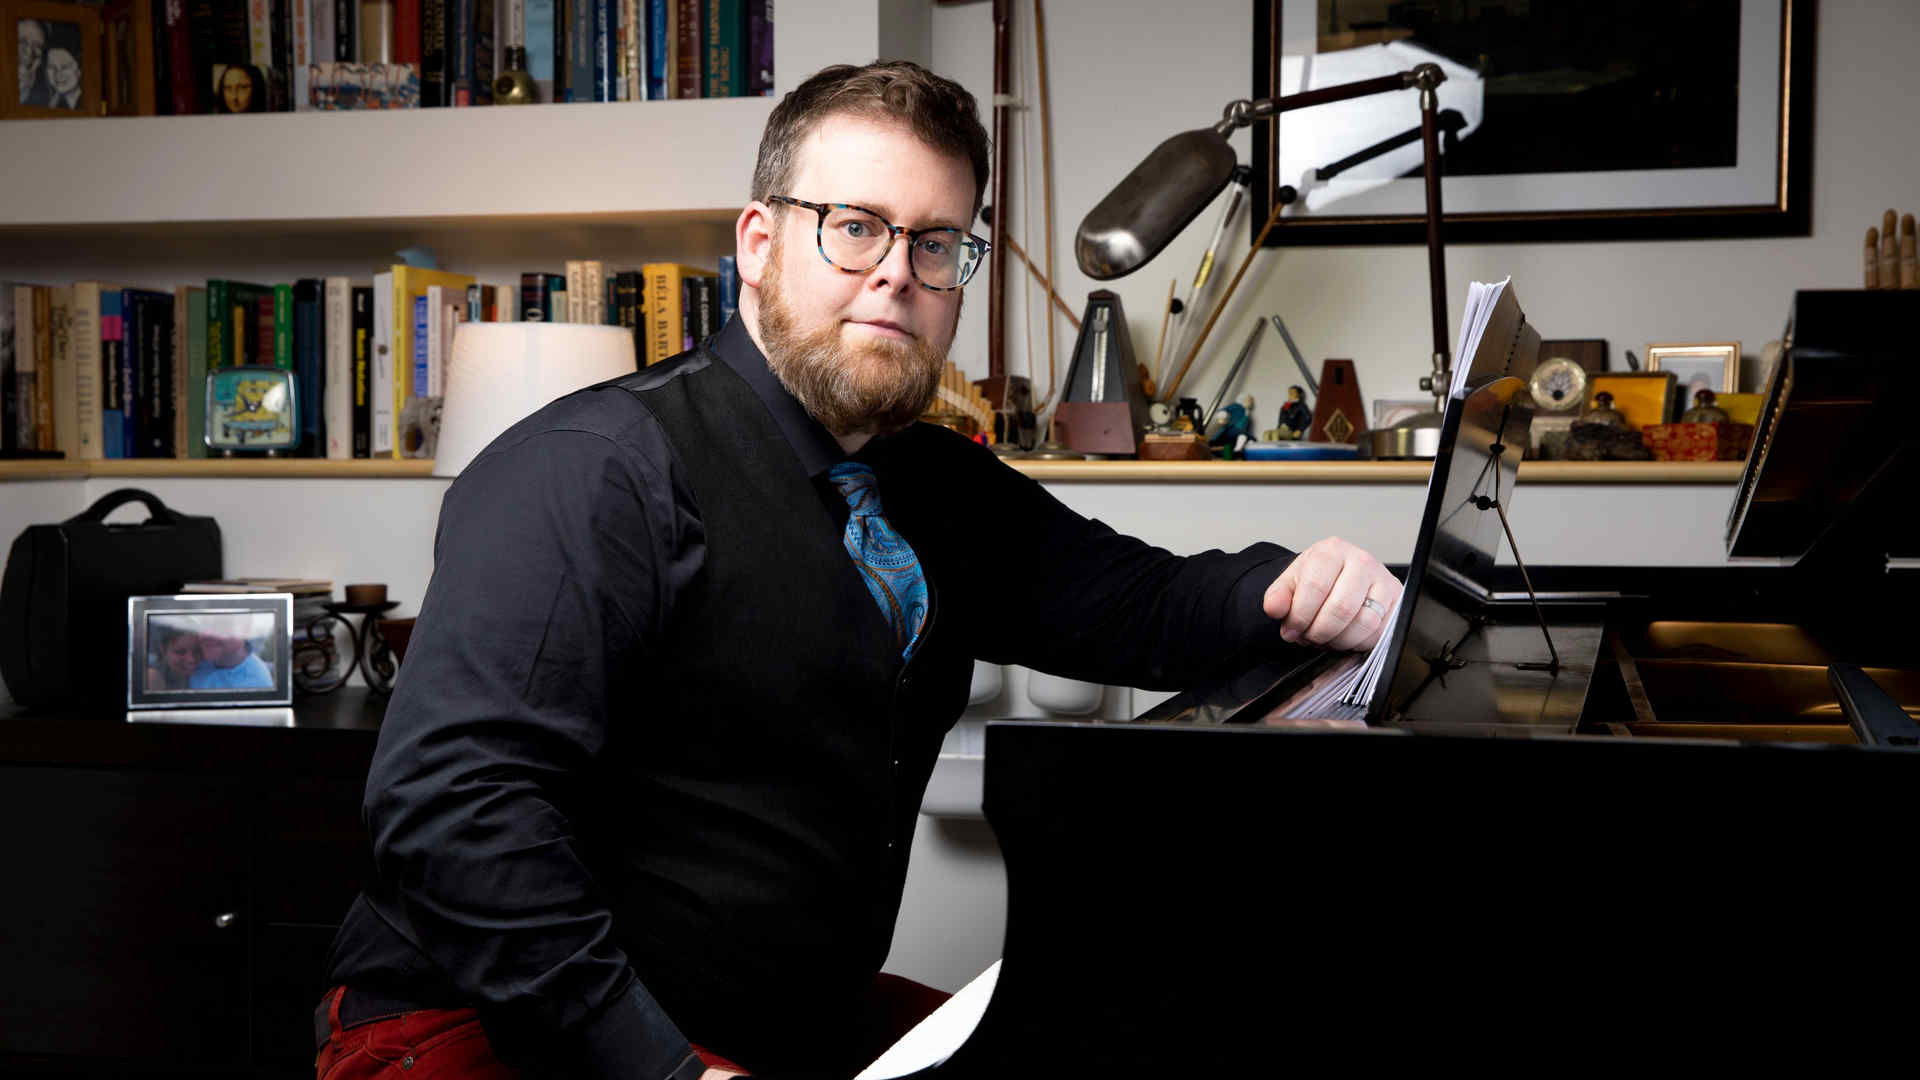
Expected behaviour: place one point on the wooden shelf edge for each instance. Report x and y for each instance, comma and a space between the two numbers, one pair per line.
270, 468
1121, 472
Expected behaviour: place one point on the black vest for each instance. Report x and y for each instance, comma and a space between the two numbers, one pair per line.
779, 682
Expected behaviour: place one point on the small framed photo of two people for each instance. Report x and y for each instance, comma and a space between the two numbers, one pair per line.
202, 651
54, 49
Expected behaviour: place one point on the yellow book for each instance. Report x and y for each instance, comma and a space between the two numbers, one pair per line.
410, 361
666, 317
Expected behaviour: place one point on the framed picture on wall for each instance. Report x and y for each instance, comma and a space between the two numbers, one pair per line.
52, 53
1639, 119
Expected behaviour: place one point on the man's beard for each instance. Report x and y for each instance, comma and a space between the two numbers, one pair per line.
878, 386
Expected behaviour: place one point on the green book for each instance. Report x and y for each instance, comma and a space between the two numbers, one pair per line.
197, 361
726, 66
219, 320
283, 327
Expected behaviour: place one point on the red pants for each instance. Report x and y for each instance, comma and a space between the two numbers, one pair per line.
431, 1043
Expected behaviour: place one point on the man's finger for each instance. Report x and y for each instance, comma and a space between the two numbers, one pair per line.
1279, 598
1367, 624
1341, 606
1313, 576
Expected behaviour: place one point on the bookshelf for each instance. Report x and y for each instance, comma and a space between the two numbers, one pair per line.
1130, 472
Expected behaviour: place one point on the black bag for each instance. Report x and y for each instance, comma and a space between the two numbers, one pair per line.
63, 599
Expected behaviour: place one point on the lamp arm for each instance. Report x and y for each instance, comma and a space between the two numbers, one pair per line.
1244, 112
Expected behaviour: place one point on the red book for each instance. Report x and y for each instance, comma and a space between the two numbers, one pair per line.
406, 32
182, 73
688, 79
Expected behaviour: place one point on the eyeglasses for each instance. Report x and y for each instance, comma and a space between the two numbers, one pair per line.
855, 239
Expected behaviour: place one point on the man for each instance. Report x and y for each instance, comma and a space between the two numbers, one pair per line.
63, 75
694, 636
227, 661
31, 46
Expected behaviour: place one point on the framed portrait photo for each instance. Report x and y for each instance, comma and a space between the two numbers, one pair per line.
53, 53
204, 651
1628, 120
1711, 366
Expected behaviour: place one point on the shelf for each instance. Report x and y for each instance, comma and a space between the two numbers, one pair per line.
1127, 472
649, 163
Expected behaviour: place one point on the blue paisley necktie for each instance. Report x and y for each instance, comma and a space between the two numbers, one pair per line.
888, 564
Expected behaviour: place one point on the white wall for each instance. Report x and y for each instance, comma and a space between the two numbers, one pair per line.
1126, 74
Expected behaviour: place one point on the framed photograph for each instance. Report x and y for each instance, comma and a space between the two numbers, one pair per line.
1711, 366
1637, 119
1643, 397
53, 51
200, 651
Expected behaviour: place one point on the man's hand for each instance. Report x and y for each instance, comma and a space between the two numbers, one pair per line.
1333, 595
719, 1074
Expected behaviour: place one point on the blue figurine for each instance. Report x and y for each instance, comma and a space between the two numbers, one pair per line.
1232, 437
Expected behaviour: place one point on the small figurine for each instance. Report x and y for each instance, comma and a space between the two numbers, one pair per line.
1186, 415
1704, 411
1235, 427
1295, 416
1603, 412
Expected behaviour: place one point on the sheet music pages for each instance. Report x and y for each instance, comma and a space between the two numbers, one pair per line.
934, 1039
1482, 298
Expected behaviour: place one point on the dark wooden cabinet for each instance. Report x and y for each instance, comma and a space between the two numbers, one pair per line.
171, 893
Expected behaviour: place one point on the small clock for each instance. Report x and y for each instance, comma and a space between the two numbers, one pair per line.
252, 409
1559, 385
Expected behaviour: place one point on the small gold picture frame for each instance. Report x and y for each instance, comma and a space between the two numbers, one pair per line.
49, 59
1711, 366
1643, 397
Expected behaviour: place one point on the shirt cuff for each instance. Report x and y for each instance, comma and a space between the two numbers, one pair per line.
1245, 621
633, 1037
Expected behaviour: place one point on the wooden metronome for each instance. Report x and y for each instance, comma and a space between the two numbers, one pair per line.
1103, 408
1338, 414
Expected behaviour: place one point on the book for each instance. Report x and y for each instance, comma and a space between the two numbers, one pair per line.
323, 14
444, 308
665, 316
337, 348
576, 272
113, 380
726, 49
594, 284
297, 586
406, 32
283, 327
659, 49
183, 62
436, 34
381, 415
484, 19
9, 374
626, 306
633, 18
83, 336
147, 367
729, 288
362, 357
181, 376
410, 286
533, 297
196, 366
580, 53
346, 30
689, 53
760, 48
303, 52
65, 419
603, 41
309, 365
33, 345
539, 39
26, 377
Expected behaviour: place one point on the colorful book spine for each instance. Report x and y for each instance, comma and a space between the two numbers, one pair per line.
309, 365
593, 276
603, 59
219, 326
539, 20
132, 344
362, 371
156, 386
576, 271
435, 31
760, 48
183, 85
726, 49
689, 56
406, 32
382, 427
533, 297
580, 51
283, 327
45, 435
337, 349
84, 337
65, 403
196, 396
183, 302
113, 441
665, 315
633, 42
659, 60
422, 359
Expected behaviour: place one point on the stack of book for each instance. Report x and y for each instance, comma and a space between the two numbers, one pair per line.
95, 370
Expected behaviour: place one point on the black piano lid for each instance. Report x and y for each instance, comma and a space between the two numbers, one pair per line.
1834, 450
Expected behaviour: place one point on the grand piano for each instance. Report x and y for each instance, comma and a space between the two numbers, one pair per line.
1683, 830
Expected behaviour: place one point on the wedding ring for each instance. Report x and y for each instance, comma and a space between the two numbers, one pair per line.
1374, 605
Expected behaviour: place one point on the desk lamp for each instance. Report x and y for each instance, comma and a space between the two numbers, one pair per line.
501, 372
1165, 192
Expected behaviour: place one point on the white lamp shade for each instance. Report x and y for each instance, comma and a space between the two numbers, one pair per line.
500, 373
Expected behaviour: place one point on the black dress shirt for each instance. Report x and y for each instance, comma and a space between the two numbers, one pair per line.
579, 530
